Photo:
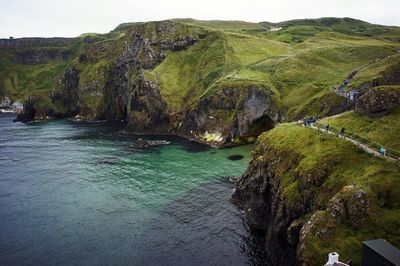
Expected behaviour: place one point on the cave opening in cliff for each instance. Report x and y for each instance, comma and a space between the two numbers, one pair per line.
264, 123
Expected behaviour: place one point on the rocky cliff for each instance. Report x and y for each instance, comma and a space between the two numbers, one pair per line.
232, 114
378, 101
109, 80
302, 193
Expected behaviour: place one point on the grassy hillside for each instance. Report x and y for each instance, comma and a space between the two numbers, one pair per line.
333, 165
382, 130
380, 73
301, 62
18, 80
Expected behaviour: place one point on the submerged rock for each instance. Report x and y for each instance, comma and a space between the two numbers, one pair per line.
144, 144
235, 157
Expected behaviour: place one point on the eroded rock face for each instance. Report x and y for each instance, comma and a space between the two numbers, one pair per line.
124, 93
127, 93
66, 99
29, 111
291, 219
351, 203
378, 102
42, 56
327, 105
259, 194
235, 113
147, 110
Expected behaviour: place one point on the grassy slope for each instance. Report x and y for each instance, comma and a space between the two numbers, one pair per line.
318, 64
22, 80
375, 72
223, 25
18, 80
302, 62
351, 167
383, 130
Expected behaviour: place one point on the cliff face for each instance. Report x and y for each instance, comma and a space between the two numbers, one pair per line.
128, 94
233, 113
35, 42
378, 101
120, 88
302, 193
109, 80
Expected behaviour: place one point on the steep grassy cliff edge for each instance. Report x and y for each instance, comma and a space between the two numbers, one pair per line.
225, 83
222, 82
310, 193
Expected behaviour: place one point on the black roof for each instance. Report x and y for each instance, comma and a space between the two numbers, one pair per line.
384, 248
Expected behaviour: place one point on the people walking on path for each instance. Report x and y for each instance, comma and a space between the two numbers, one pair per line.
376, 152
383, 151
341, 132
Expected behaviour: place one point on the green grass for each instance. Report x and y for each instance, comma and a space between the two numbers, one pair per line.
223, 25
376, 73
21, 80
381, 131
184, 76
300, 63
325, 164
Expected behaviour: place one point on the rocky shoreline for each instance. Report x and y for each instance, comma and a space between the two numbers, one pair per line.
8, 106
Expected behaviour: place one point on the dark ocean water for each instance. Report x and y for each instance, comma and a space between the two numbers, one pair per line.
79, 194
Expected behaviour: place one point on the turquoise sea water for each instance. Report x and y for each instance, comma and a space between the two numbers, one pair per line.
80, 194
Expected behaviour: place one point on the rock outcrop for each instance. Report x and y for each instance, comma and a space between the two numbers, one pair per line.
378, 101
124, 93
297, 201
29, 111
235, 113
35, 42
5, 102
108, 81
40, 56
267, 211
65, 99
127, 93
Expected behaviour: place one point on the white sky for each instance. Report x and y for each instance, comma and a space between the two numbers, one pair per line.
69, 18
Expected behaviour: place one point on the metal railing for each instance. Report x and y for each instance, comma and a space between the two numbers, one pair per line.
360, 140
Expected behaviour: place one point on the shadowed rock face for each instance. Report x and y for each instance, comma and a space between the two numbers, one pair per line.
40, 56
147, 110
29, 111
36, 42
234, 112
290, 221
121, 90
378, 102
258, 194
126, 93
65, 99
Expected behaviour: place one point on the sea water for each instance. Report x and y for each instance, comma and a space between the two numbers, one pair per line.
80, 194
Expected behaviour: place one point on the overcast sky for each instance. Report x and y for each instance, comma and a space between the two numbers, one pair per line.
68, 18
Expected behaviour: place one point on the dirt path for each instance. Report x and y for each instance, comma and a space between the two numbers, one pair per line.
362, 146
340, 90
